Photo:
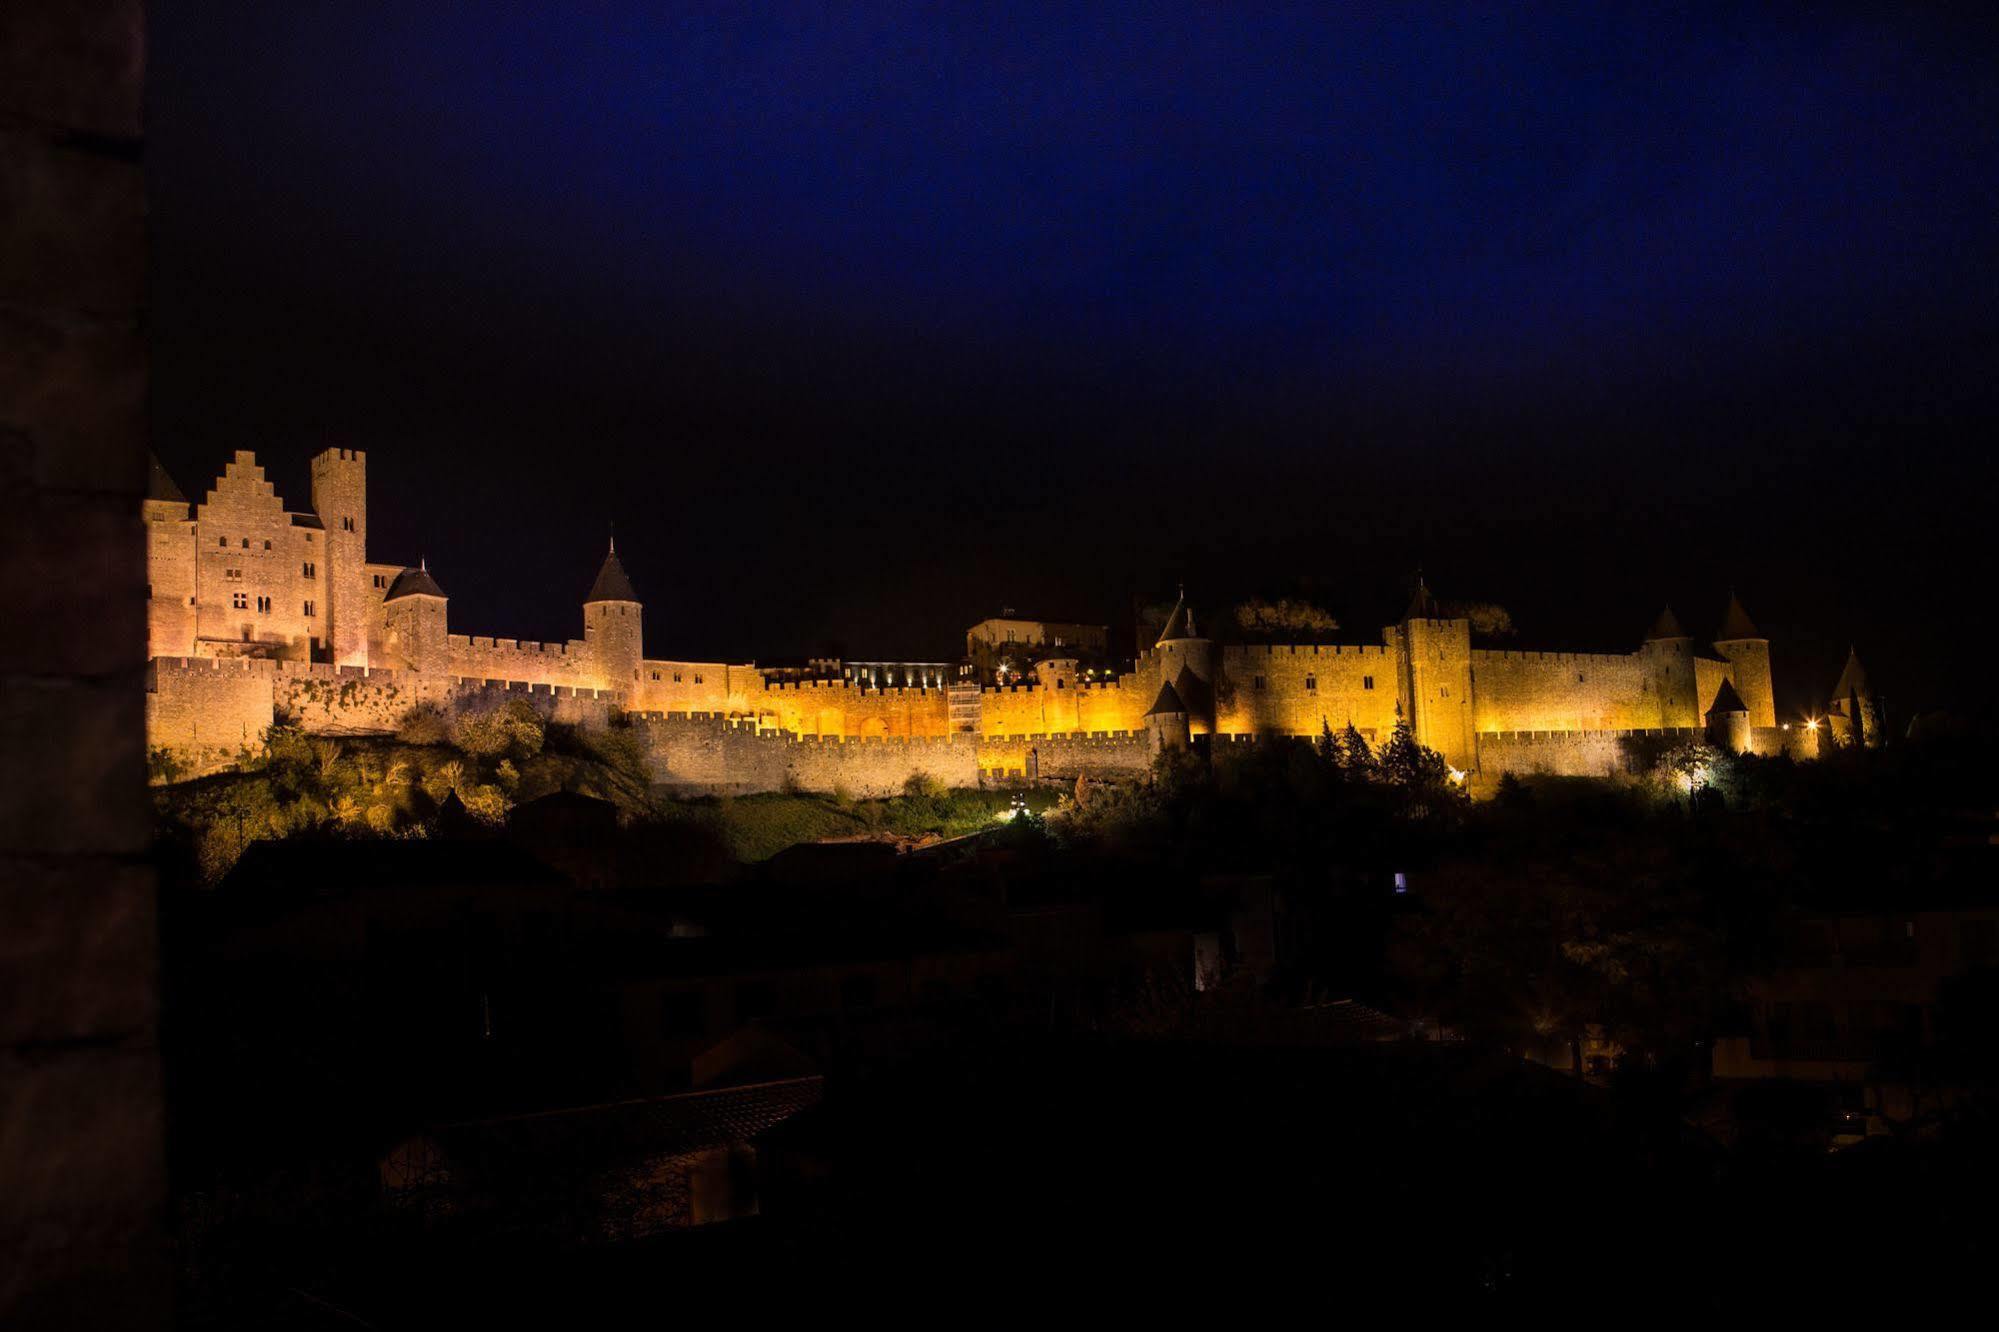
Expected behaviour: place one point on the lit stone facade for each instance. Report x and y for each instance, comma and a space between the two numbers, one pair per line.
237, 576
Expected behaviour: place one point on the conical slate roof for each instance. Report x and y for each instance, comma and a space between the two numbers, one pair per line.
415, 582
1726, 700
611, 584
1180, 624
1422, 606
1666, 626
1735, 623
1168, 701
159, 485
1852, 680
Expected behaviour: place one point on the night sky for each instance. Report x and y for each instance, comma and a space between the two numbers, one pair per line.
861, 327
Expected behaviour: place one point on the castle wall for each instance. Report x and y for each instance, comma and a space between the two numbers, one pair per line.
207, 710
1560, 691
840, 708
1114, 754
515, 659
1592, 753
698, 686
1304, 689
703, 754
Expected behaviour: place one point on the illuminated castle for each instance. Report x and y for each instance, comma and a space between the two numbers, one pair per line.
259, 614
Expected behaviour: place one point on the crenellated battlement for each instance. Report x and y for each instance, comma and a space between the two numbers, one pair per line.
1552, 658
1580, 736
1267, 650
474, 643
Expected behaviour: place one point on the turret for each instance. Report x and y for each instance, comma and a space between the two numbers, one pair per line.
340, 498
1433, 677
170, 566
1853, 713
1748, 652
1167, 720
1185, 660
613, 633
1728, 721
414, 630
1669, 672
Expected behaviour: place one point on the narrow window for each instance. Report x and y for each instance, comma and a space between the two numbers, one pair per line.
239, 600
308, 610
267, 545
1257, 683
246, 543
1367, 682
1311, 683
308, 570
222, 541
697, 679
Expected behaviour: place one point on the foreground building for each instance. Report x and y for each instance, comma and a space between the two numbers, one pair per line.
260, 614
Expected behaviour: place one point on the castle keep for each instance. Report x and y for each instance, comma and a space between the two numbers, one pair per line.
258, 614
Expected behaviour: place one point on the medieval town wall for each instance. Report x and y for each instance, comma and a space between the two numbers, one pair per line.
1560, 691
517, 659
205, 711
1580, 753
839, 709
706, 754
1109, 754
1302, 689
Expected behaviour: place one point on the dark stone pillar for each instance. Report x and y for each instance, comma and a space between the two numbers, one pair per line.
81, 1175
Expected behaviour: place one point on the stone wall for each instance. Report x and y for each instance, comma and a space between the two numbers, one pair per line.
513, 659
1560, 691
1605, 753
81, 1166
706, 754
1301, 689
206, 710
1112, 754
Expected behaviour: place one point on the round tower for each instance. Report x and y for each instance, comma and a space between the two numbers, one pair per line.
613, 634
413, 622
1854, 715
1745, 649
1186, 661
1728, 721
1669, 672
1167, 721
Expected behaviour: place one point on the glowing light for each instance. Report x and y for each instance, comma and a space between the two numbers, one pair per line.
1812, 724
1458, 775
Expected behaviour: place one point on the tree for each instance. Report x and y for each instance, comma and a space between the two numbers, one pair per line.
1406, 762
1488, 619
1285, 618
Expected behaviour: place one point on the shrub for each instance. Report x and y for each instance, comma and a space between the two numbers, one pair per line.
423, 725
513, 730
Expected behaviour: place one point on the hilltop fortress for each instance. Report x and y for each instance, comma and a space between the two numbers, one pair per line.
259, 615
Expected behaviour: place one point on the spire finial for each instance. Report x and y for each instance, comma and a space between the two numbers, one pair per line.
614, 536
423, 563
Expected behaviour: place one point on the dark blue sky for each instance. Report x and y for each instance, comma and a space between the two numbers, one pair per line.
859, 325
